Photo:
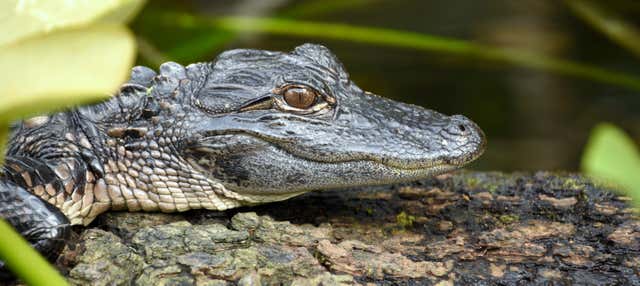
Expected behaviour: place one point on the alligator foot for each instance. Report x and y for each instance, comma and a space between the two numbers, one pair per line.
43, 225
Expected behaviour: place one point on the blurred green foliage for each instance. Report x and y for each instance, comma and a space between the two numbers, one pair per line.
189, 43
607, 22
612, 155
194, 36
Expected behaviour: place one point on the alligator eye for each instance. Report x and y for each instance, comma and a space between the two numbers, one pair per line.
300, 97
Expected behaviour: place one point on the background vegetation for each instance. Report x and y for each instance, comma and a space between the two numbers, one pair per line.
540, 76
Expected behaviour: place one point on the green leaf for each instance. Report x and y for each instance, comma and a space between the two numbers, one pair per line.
64, 68
610, 154
21, 19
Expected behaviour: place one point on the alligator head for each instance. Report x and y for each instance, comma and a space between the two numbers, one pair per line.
270, 122
272, 125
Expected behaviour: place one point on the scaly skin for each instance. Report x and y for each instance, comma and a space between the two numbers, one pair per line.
250, 127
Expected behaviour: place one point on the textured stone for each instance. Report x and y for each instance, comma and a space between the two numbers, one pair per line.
466, 228
105, 261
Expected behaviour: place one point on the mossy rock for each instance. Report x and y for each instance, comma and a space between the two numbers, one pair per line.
494, 228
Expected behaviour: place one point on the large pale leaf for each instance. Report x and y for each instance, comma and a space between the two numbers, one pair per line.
53, 54
611, 154
20, 19
63, 68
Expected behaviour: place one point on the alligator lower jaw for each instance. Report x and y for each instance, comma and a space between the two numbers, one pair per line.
257, 199
433, 169
440, 164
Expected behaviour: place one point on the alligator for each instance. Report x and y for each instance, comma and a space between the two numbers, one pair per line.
251, 127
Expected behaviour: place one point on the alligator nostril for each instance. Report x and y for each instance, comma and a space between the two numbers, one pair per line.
460, 125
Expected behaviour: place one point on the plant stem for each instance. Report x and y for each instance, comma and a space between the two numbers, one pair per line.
404, 39
608, 23
24, 261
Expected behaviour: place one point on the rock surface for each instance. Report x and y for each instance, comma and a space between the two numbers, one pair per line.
488, 228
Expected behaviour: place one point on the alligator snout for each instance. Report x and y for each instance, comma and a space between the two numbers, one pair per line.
462, 139
460, 125
463, 127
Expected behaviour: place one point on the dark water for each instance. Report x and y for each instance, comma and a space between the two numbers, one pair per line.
533, 119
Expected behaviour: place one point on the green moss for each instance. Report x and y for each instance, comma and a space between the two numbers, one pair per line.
369, 211
509, 219
492, 188
404, 220
472, 182
573, 184
583, 196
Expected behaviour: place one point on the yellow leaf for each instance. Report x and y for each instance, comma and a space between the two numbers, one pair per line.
63, 68
20, 19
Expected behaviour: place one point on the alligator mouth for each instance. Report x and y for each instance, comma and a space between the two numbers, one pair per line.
444, 163
290, 172
465, 152
413, 165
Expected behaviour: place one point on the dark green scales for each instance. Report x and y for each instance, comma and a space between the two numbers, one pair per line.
248, 128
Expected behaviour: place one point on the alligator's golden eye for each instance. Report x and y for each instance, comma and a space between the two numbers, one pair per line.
299, 97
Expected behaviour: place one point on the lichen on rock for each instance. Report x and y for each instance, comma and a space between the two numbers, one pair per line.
541, 228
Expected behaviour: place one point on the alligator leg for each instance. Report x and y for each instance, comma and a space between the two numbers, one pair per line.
42, 224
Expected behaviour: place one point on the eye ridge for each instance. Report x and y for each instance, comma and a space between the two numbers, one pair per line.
300, 97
